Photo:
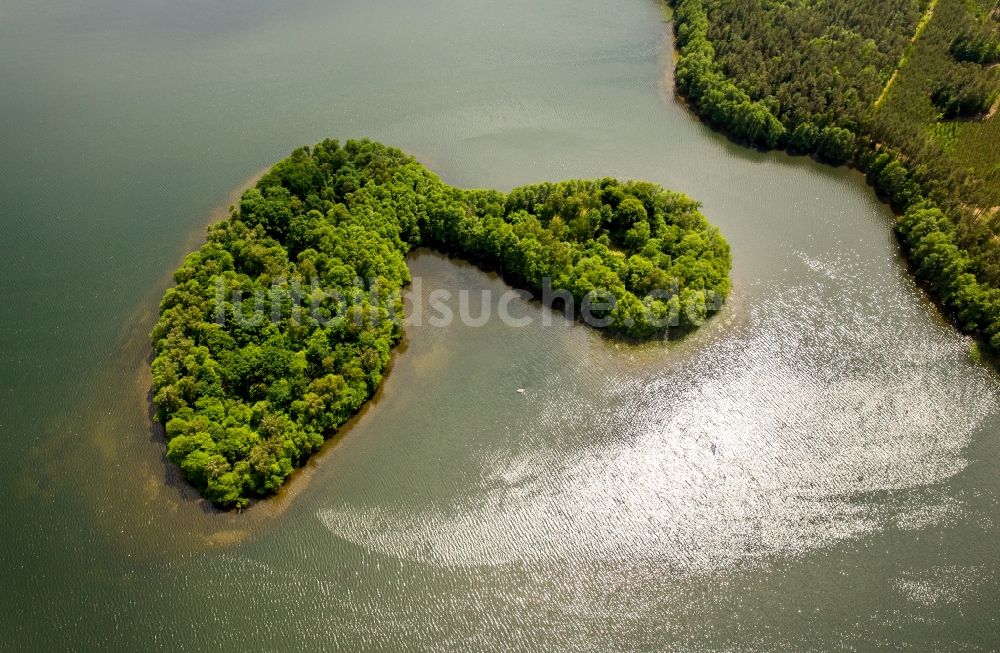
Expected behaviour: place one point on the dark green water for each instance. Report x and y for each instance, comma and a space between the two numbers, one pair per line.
815, 470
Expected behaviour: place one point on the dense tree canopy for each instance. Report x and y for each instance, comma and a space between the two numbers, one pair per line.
282, 325
903, 89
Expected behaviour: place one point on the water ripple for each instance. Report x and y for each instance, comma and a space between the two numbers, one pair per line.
764, 442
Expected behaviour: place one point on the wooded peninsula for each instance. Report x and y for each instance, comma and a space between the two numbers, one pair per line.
247, 396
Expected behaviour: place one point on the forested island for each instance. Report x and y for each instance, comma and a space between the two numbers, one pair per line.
905, 90
321, 240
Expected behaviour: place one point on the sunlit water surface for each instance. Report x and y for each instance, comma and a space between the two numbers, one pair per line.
813, 470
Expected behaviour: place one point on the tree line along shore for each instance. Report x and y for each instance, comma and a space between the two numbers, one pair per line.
905, 90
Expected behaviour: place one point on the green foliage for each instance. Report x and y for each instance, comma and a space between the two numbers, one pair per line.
937, 85
980, 44
879, 85
822, 63
716, 97
804, 138
929, 235
963, 96
892, 180
975, 353
282, 325
835, 144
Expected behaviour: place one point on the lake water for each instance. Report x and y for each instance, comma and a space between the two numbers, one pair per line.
817, 469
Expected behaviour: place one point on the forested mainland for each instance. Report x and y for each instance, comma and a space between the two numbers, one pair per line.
905, 90
245, 400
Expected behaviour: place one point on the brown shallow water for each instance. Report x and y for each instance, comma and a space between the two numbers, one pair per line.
814, 470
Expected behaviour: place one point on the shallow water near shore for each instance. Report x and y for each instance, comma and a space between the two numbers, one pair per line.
816, 469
